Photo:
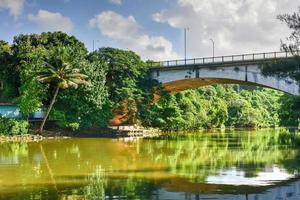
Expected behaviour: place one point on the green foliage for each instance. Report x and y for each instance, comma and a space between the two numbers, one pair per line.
214, 107
126, 80
74, 126
32, 53
118, 77
88, 105
32, 95
258, 108
284, 68
289, 113
7, 72
61, 73
123, 71
165, 114
61, 69
95, 190
196, 156
37, 54
13, 127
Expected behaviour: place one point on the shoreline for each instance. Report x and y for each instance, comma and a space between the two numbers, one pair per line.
120, 132
29, 138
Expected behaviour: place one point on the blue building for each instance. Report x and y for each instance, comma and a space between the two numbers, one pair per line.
13, 111
10, 110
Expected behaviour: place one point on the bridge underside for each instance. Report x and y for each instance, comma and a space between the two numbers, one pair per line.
186, 84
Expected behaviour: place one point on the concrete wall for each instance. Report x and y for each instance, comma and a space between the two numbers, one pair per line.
285, 192
244, 74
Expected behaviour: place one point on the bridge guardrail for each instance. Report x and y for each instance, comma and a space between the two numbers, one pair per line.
225, 59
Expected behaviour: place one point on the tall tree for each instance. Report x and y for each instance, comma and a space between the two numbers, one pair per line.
61, 74
75, 108
124, 71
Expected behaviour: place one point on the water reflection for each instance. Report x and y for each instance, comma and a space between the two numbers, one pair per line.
254, 165
12, 153
235, 177
96, 185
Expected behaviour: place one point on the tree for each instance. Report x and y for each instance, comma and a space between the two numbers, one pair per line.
124, 73
289, 111
74, 108
88, 106
293, 22
214, 107
62, 75
284, 68
8, 72
30, 53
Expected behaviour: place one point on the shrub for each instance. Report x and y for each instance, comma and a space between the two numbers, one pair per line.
73, 126
62, 122
13, 126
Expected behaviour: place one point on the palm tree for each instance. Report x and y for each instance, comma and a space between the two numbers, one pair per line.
62, 75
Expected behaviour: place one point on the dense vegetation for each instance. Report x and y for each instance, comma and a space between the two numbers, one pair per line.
13, 126
112, 86
216, 107
118, 88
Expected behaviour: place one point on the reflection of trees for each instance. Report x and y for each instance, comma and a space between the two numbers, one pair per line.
99, 187
201, 155
137, 170
131, 188
96, 187
12, 152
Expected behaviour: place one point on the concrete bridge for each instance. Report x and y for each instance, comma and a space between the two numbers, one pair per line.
179, 75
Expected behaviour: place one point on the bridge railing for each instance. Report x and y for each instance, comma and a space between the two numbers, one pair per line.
225, 59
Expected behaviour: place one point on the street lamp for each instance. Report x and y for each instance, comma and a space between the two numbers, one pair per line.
213, 43
94, 41
185, 30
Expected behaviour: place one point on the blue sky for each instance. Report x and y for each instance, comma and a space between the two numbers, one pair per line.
153, 28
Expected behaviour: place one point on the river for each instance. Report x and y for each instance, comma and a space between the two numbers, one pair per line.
231, 165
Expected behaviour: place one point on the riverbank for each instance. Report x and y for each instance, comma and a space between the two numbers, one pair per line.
117, 132
111, 166
109, 132
29, 138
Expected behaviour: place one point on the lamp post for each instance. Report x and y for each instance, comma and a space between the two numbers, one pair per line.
213, 43
94, 41
185, 30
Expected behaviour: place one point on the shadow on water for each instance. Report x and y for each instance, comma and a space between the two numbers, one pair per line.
237, 165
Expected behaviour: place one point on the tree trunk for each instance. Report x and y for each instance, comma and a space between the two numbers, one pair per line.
48, 111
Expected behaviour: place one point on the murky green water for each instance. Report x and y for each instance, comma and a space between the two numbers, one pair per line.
237, 165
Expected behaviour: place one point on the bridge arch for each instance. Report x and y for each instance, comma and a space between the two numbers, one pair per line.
183, 74
194, 83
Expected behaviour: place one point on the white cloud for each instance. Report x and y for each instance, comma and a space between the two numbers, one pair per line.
14, 6
116, 2
50, 21
237, 26
127, 31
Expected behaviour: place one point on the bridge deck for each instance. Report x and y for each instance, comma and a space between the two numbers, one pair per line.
253, 58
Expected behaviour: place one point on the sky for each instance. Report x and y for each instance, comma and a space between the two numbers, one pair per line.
154, 28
